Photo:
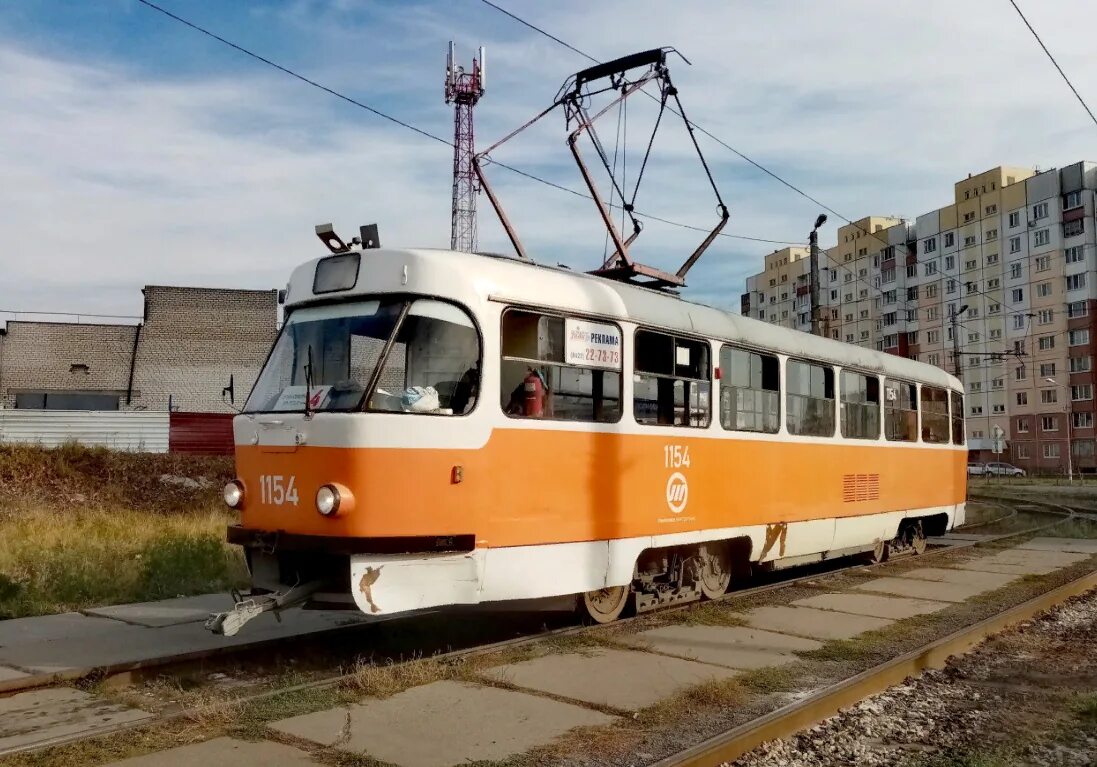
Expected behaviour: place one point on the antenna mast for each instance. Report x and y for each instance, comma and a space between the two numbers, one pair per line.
463, 90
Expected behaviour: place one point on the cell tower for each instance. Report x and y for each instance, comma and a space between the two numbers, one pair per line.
463, 90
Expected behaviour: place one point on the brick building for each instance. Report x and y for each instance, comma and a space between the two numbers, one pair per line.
182, 352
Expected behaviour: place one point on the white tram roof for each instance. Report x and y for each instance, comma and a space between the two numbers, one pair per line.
472, 278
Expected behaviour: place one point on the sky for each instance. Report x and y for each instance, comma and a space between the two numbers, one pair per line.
134, 150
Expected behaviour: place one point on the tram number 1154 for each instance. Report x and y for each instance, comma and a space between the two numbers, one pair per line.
676, 456
277, 490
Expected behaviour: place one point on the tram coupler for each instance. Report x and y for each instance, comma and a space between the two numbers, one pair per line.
230, 622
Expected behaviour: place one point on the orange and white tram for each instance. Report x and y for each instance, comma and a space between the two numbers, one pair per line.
438, 428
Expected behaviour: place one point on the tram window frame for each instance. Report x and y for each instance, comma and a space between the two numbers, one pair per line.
791, 412
871, 388
729, 370
552, 360
956, 416
911, 390
929, 416
672, 371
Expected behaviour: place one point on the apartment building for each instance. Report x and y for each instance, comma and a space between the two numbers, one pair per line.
1010, 268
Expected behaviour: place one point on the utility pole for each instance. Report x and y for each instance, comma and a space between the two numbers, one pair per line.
957, 367
813, 240
463, 90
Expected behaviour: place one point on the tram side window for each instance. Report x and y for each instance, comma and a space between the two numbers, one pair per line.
810, 391
560, 368
935, 424
672, 380
750, 391
957, 418
900, 411
860, 406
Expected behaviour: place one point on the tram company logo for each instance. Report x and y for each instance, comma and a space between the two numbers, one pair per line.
677, 492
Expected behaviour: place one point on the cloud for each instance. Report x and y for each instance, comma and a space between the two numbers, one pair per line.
119, 173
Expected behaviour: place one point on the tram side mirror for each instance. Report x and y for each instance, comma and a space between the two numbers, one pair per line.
228, 394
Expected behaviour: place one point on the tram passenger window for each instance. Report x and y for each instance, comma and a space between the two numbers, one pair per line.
810, 391
860, 406
560, 368
433, 364
750, 396
957, 418
326, 357
900, 411
672, 380
935, 424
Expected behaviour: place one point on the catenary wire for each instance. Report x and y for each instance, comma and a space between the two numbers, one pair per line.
1063, 74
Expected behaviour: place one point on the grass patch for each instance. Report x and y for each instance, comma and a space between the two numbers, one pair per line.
771, 679
77, 476
84, 527
1073, 528
53, 561
708, 614
387, 679
1086, 709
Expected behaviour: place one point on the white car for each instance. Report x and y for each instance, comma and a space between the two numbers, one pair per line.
976, 469
1003, 470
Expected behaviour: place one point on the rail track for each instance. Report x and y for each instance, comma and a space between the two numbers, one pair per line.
723, 747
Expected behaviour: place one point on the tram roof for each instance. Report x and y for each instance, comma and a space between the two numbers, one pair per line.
464, 276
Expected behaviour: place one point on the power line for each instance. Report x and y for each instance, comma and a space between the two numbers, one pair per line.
1056, 63
402, 123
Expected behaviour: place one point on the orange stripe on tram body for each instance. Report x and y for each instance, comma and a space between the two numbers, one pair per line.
536, 487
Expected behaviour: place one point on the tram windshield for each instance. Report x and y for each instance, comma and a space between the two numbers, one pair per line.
393, 355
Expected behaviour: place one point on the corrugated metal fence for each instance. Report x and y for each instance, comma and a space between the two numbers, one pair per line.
143, 431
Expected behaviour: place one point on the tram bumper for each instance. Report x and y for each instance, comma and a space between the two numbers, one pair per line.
393, 583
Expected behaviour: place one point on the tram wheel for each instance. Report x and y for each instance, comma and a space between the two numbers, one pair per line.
605, 605
715, 575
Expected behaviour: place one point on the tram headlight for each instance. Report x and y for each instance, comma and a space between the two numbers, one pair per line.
234, 494
328, 500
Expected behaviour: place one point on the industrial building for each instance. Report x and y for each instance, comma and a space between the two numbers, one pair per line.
1009, 268
179, 356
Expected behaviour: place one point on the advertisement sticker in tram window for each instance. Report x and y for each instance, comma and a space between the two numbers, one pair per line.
293, 398
592, 344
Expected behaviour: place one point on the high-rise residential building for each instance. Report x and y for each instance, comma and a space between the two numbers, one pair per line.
1006, 275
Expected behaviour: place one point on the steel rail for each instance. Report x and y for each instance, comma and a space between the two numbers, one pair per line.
798, 716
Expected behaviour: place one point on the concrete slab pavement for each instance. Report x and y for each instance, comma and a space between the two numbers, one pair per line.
872, 605
67, 650
916, 589
738, 647
223, 751
442, 724
812, 623
49, 628
988, 581
1073, 545
166, 612
620, 679
39, 717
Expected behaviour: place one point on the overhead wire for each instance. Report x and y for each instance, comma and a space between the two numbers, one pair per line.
404, 124
1062, 74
